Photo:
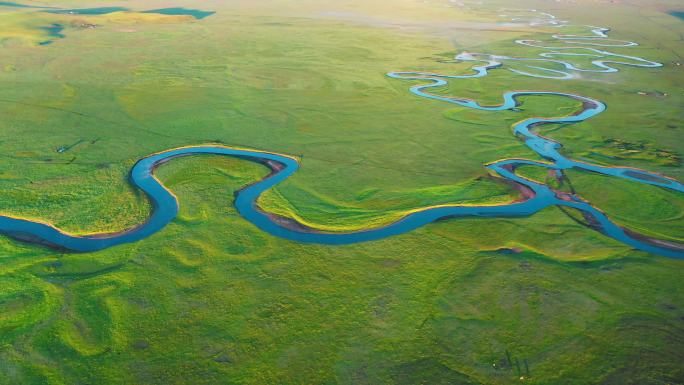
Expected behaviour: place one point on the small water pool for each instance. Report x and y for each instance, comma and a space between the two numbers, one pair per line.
54, 31
679, 14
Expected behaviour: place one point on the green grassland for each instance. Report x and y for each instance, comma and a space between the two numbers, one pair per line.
212, 300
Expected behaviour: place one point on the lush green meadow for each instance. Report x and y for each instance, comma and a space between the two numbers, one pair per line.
213, 300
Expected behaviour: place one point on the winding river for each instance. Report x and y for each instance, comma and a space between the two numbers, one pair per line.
537, 197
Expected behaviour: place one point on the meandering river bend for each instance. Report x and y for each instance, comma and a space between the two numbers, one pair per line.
538, 197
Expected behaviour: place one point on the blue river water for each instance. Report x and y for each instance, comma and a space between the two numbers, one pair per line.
165, 204
196, 13
17, 5
54, 31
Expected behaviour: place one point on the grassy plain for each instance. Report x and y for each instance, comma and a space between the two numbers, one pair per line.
212, 300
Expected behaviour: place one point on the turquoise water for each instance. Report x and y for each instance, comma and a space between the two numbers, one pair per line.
165, 205
196, 13
54, 31
17, 5
679, 14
